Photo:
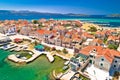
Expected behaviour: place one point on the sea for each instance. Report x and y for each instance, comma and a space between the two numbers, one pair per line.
99, 20
103, 22
39, 69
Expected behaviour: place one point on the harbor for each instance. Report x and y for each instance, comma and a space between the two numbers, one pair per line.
36, 70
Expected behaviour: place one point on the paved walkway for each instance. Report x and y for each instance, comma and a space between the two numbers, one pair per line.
70, 51
96, 73
67, 75
12, 37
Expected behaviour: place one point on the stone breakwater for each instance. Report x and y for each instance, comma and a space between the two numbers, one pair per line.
34, 56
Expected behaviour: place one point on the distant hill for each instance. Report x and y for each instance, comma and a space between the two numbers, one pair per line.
11, 14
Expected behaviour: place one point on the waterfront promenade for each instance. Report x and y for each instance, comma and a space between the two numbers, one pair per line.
70, 51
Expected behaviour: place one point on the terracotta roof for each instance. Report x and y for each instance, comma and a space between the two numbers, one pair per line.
67, 40
18, 40
109, 54
87, 49
101, 33
41, 31
69, 33
113, 38
47, 32
87, 35
98, 41
61, 37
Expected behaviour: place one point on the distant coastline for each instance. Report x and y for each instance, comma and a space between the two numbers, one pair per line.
101, 20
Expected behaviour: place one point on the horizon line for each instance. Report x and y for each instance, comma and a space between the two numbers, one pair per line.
54, 12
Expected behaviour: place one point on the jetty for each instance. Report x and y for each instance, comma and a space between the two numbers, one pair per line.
36, 54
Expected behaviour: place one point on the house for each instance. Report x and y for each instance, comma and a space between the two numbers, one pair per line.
77, 48
58, 40
99, 56
11, 30
86, 35
87, 42
115, 66
8, 30
47, 36
79, 62
100, 34
2, 30
97, 42
66, 42
4, 39
25, 30
18, 40
113, 40
76, 40
41, 34
74, 63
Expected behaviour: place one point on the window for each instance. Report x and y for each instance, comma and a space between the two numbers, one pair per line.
101, 64
115, 61
91, 56
102, 59
114, 65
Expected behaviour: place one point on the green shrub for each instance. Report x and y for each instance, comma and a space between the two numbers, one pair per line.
35, 21
92, 29
47, 48
65, 51
113, 46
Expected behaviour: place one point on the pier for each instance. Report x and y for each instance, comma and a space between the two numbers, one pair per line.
34, 56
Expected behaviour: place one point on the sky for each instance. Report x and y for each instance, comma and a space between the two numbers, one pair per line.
64, 6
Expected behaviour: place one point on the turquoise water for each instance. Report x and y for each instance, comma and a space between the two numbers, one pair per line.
100, 21
40, 69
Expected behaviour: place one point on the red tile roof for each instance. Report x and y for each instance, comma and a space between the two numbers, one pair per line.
109, 54
17, 40
98, 41
113, 38
87, 35
86, 50
41, 31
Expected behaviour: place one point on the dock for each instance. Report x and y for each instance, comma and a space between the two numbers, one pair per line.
34, 56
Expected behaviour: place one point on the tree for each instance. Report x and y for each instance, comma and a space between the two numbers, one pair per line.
92, 29
116, 74
47, 48
65, 51
36, 43
105, 40
53, 48
113, 46
18, 30
35, 21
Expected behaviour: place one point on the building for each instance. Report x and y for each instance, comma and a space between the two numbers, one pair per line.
11, 31
74, 63
79, 62
115, 66
18, 40
102, 58
4, 40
